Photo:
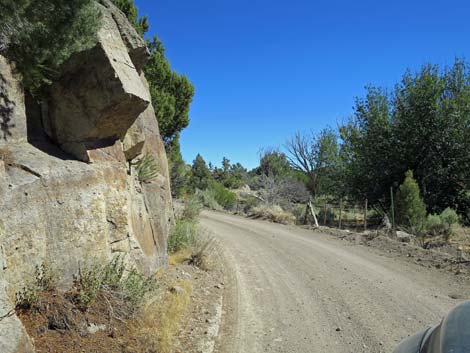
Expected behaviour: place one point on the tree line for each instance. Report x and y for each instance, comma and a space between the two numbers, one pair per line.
419, 130
409, 145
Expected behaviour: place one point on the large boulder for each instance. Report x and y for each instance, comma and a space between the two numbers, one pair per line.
98, 96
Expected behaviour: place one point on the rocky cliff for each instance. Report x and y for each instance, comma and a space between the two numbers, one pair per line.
69, 189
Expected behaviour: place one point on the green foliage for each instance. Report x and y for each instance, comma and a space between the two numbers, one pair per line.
249, 203
274, 163
192, 209
442, 224
147, 168
89, 283
231, 176
200, 174
327, 215
40, 35
423, 126
134, 286
449, 218
179, 172
44, 279
238, 176
171, 93
114, 278
434, 225
183, 235
223, 196
411, 210
367, 148
28, 297
207, 198
317, 157
141, 24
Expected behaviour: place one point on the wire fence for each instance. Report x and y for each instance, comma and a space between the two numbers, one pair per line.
346, 215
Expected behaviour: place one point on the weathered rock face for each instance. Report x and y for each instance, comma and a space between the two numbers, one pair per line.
69, 190
13, 336
135, 44
98, 96
12, 114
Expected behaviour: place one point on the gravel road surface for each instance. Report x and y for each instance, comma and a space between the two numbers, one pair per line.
293, 290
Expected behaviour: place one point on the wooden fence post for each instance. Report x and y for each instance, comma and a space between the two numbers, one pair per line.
325, 210
306, 215
340, 211
313, 213
365, 216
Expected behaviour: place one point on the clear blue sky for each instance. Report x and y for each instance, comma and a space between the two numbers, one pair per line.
266, 69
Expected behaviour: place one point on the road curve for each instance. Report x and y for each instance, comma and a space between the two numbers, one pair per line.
294, 290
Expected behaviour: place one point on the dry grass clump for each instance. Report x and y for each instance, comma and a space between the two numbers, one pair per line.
179, 257
198, 253
158, 323
460, 238
273, 213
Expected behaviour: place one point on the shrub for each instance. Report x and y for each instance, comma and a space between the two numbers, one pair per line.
411, 210
88, 285
182, 235
114, 279
43, 280
147, 168
329, 215
442, 224
250, 202
449, 218
200, 252
134, 286
223, 196
192, 209
434, 225
207, 197
299, 213
273, 213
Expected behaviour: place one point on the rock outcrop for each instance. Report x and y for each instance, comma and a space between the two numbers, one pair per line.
98, 96
69, 189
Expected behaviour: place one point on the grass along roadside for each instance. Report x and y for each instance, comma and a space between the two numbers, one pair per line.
113, 308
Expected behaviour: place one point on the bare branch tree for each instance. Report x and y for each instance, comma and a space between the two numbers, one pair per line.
313, 154
302, 155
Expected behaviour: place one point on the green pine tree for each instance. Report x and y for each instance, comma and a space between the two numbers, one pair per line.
411, 210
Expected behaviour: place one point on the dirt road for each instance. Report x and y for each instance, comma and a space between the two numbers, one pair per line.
294, 290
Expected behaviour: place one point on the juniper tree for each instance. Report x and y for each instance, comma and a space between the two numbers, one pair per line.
40, 35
